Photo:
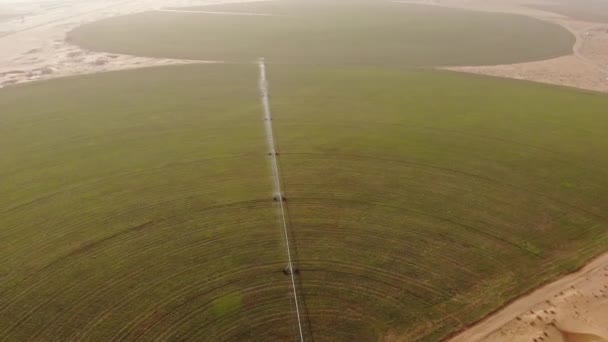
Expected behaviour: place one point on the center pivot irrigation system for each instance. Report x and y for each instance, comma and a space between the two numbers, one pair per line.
263, 85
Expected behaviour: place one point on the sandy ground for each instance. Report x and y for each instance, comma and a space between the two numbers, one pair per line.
33, 46
571, 309
586, 68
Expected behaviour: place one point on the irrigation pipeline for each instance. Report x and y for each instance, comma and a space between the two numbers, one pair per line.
263, 85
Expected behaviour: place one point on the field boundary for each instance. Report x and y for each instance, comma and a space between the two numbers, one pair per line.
264, 93
479, 328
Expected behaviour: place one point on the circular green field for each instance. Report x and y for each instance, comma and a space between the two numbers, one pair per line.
138, 205
319, 32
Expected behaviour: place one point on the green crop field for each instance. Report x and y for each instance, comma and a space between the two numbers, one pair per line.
421, 200
349, 32
142, 209
138, 205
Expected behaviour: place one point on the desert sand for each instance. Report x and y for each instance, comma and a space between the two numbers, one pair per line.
571, 309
